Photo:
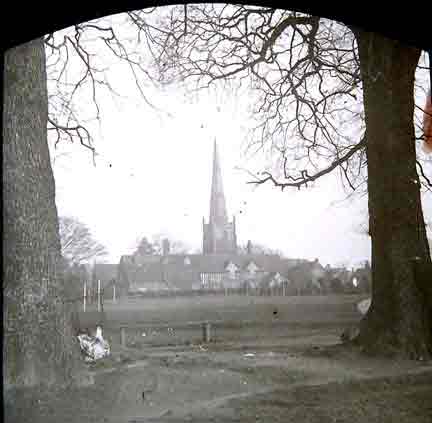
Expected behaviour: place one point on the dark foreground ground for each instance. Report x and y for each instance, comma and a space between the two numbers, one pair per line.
259, 367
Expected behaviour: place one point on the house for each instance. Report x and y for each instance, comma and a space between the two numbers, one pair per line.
187, 272
219, 267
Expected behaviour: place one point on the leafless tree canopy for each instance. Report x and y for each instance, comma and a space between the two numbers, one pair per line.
301, 72
77, 74
77, 243
303, 78
155, 246
258, 249
176, 246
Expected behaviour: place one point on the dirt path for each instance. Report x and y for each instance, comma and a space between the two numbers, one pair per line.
206, 383
385, 400
214, 384
282, 370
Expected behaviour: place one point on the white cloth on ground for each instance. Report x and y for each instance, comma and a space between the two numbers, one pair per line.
94, 347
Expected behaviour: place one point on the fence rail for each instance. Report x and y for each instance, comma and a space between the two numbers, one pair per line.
206, 328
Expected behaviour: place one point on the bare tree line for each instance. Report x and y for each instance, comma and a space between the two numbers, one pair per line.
77, 242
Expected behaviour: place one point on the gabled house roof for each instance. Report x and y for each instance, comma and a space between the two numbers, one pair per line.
183, 270
175, 275
231, 267
274, 277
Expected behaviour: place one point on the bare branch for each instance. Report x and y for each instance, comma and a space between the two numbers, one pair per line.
422, 173
302, 70
76, 71
80, 131
305, 178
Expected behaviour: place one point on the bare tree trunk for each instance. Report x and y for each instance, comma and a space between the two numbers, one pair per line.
399, 319
37, 333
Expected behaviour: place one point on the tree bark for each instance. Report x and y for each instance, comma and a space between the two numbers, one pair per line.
38, 347
399, 319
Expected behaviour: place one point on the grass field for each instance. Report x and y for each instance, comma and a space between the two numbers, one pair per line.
171, 321
271, 359
236, 308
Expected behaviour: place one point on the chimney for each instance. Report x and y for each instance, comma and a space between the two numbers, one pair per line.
165, 247
249, 247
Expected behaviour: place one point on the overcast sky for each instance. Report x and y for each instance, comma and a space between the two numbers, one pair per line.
153, 175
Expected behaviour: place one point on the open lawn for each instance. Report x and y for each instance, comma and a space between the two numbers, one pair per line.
177, 321
236, 308
271, 359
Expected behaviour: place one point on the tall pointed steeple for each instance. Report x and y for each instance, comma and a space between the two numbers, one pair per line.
219, 235
218, 212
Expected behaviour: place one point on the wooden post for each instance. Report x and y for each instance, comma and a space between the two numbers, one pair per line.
206, 332
114, 296
123, 336
85, 296
283, 289
247, 289
98, 296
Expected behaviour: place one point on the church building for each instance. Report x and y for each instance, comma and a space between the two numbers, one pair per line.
219, 235
219, 266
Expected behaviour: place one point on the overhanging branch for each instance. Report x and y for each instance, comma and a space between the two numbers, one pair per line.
78, 130
305, 178
428, 181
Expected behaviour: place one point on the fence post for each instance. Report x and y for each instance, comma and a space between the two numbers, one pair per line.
98, 296
85, 296
206, 332
123, 336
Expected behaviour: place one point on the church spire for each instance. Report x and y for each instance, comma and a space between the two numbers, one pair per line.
218, 212
219, 235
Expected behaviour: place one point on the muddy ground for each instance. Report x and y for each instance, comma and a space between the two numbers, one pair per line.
283, 367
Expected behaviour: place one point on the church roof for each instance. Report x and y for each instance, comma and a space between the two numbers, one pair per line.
184, 270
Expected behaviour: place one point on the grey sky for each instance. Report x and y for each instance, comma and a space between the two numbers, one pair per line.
159, 181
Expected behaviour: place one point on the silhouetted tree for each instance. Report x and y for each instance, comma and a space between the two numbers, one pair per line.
38, 348
77, 242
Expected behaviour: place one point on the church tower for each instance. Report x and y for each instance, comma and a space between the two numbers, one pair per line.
219, 235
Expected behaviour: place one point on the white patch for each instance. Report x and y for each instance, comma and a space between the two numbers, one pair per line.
95, 347
363, 306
